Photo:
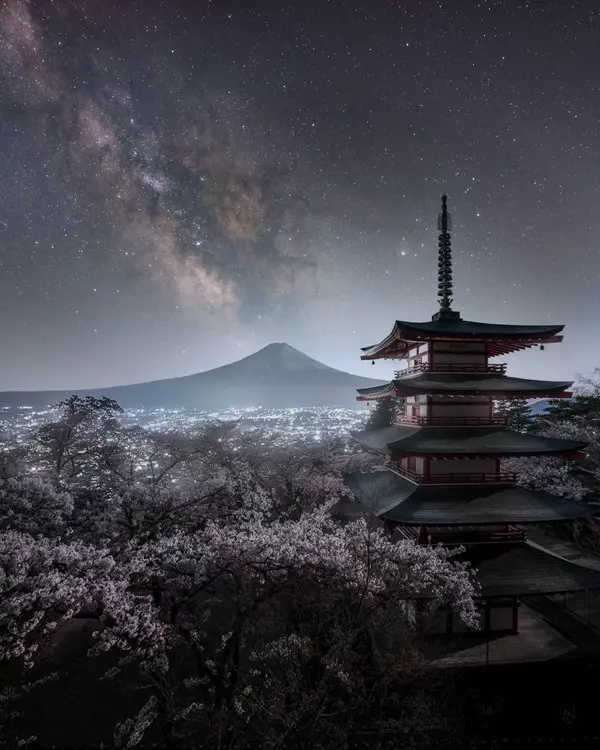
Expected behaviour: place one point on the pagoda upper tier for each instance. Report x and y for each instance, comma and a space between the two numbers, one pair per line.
497, 338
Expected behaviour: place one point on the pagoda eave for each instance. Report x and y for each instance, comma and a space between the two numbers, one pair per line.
466, 442
525, 570
568, 455
497, 395
395, 499
499, 339
460, 384
399, 349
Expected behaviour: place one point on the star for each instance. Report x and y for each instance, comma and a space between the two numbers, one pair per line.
217, 176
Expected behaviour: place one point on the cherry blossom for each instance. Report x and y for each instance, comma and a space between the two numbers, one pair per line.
31, 504
215, 567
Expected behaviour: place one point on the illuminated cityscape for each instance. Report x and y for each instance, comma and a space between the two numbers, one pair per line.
276, 426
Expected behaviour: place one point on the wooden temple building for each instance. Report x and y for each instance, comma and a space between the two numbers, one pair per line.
444, 481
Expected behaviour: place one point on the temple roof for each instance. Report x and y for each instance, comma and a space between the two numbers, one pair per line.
463, 384
462, 441
394, 498
523, 569
503, 338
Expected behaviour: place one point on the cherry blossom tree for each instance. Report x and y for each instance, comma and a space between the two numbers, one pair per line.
212, 564
586, 474
46, 582
574, 480
31, 504
555, 475
282, 618
548, 474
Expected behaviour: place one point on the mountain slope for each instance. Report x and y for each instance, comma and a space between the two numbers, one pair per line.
276, 376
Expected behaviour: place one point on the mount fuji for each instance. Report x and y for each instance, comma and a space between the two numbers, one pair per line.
277, 376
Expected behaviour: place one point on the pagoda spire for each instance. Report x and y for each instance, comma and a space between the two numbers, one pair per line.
445, 265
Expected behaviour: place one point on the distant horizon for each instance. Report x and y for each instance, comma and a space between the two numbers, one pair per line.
175, 377
527, 364
382, 370
276, 376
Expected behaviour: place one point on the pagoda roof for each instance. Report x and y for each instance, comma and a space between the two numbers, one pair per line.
462, 441
464, 384
523, 569
502, 338
394, 498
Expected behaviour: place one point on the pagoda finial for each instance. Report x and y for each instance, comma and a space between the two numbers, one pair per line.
445, 265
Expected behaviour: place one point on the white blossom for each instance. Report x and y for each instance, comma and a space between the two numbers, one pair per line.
33, 505
221, 552
548, 474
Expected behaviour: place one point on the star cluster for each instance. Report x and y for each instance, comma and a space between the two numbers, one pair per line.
182, 183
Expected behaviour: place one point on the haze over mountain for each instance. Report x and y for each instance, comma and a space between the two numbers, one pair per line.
276, 376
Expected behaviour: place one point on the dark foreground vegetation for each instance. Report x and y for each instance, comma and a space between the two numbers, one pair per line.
198, 592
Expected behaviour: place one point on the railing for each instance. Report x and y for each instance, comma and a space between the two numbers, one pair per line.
483, 536
451, 421
502, 477
409, 474
406, 419
466, 368
410, 370
462, 535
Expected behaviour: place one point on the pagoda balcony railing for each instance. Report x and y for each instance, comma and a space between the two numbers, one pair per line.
406, 419
480, 537
465, 368
451, 421
501, 477
463, 535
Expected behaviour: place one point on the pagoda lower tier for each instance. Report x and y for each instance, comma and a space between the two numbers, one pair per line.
508, 574
524, 569
490, 524
445, 485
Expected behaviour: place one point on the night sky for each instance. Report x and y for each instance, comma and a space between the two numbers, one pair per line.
182, 183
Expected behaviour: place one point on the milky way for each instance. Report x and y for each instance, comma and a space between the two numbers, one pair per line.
181, 185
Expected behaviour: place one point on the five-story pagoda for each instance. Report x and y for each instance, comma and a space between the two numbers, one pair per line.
444, 482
